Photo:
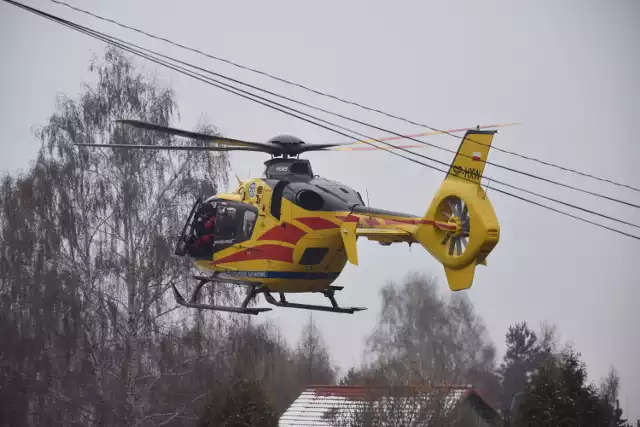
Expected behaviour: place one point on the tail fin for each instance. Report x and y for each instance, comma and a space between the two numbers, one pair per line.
462, 278
460, 227
470, 160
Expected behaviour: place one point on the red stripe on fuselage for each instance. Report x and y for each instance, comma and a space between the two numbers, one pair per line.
288, 233
441, 225
360, 219
351, 218
270, 252
316, 223
413, 221
402, 221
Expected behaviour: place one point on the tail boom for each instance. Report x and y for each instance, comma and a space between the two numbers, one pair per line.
460, 227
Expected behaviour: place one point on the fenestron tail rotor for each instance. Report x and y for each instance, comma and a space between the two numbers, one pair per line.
455, 211
446, 228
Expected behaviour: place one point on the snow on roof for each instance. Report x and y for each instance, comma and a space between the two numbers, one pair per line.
326, 406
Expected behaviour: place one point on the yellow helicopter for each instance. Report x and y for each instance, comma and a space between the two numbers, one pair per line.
291, 231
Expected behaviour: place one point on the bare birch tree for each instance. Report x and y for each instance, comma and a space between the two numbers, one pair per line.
89, 234
421, 335
311, 358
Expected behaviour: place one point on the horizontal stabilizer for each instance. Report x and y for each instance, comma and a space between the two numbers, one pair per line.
349, 238
385, 235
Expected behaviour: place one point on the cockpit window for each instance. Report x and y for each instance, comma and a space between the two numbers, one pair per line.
217, 226
248, 222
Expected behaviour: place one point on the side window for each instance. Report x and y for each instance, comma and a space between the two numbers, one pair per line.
276, 198
248, 222
225, 223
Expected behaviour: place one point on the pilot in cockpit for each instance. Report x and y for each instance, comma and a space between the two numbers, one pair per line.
204, 228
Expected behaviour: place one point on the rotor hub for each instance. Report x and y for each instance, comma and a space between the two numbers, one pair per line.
285, 140
457, 222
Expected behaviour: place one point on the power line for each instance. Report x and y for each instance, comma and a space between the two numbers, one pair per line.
125, 46
358, 133
222, 85
327, 95
530, 175
110, 39
219, 84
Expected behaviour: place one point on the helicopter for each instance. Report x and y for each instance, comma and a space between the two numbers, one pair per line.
291, 231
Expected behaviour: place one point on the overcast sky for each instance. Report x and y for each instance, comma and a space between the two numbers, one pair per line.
568, 70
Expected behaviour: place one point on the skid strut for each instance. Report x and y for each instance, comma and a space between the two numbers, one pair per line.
193, 303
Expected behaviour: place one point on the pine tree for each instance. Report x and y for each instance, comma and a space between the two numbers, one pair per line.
558, 395
242, 403
519, 362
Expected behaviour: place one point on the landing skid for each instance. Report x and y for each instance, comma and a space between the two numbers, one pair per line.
335, 308
255, 290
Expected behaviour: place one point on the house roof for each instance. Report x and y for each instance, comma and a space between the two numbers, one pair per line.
317, 406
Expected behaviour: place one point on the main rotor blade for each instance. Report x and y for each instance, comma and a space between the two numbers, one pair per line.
315, 147
170, 147
199, 136
371, 148
415, 135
